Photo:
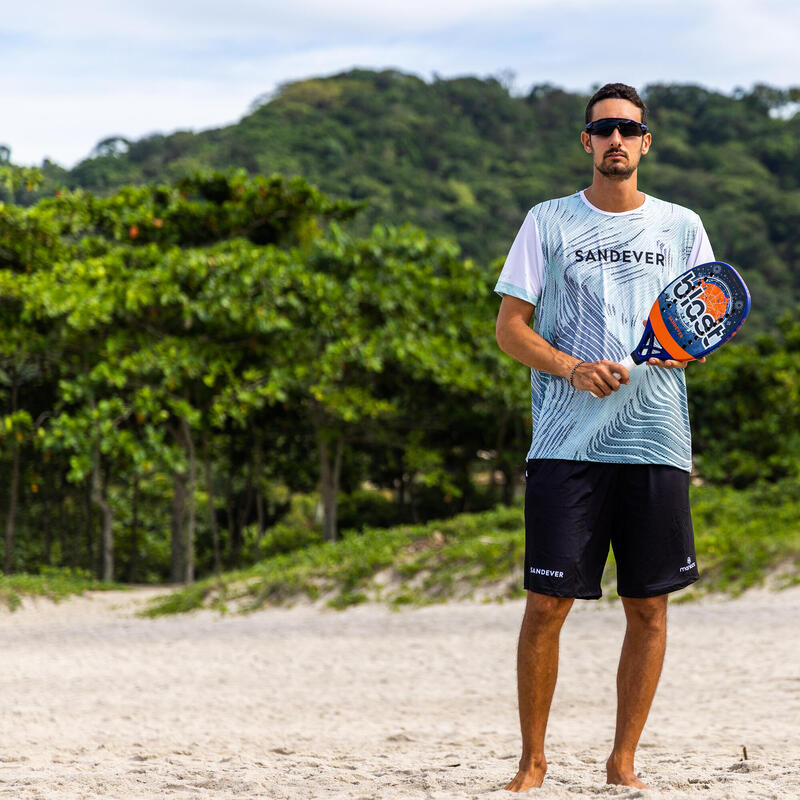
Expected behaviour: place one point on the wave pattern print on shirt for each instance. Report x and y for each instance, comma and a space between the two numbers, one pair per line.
602, 273
582, 332
643, 430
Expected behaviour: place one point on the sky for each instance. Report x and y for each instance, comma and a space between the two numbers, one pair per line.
76, 73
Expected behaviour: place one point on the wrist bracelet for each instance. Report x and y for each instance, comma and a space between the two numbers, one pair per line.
572, 374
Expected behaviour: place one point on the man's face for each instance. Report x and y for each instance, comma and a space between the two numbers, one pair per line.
616, 156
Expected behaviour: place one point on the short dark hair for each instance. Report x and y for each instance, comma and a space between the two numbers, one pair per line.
616, 90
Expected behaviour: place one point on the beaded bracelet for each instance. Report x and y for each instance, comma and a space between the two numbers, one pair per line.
572, 374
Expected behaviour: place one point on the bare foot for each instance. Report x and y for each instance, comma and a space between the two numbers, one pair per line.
622, 776
530, 776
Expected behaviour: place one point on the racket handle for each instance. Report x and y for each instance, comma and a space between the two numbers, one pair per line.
626, 362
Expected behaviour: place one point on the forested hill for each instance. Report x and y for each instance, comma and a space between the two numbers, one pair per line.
464, 157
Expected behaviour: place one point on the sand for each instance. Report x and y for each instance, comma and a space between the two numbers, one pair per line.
368, 703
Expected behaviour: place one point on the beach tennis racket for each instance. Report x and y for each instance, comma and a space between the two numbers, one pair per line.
693, 315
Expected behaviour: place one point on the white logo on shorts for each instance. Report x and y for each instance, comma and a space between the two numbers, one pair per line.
689, 564
548, 573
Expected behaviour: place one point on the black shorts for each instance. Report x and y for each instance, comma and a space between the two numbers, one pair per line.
575, 509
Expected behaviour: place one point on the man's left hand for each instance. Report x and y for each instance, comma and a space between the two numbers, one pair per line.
670, 364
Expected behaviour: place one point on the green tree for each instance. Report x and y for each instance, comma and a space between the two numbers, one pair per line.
745, 409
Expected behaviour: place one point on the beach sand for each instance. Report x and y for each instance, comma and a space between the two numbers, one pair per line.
369, 703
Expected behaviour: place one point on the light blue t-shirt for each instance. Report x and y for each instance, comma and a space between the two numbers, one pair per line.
593, 277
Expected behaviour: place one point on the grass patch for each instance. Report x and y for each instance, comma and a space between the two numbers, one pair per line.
741, 537
744, 536
406, 565
52, 583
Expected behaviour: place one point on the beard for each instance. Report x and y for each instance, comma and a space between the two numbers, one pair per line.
616, 170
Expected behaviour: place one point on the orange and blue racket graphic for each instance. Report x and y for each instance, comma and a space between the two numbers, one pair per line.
696, 313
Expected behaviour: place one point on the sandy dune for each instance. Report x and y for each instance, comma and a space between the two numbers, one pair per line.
367, 703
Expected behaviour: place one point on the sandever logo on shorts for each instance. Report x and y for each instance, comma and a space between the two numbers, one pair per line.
549, 573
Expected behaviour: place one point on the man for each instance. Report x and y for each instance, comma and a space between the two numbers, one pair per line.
610, 457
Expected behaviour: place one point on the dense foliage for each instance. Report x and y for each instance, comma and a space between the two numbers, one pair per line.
465, 158
200, 374
182, 363
745, 409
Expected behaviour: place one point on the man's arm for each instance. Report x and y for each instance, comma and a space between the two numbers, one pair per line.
515, 337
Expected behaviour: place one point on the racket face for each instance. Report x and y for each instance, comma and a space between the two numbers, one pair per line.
697, 312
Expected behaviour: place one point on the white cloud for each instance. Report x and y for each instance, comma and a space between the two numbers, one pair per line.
83, 71
748, 41
155, 20
66, 126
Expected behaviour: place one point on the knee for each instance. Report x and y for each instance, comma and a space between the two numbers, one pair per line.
648, 614
543, 612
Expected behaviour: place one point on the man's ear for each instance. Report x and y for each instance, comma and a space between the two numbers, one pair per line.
647, 141
586, 141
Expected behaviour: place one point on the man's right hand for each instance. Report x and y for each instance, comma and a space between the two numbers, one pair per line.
515, 337
598, 378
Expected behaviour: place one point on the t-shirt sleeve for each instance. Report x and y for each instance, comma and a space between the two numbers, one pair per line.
523, 273
701, 251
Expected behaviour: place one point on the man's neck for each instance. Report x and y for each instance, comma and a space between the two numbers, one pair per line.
614, 196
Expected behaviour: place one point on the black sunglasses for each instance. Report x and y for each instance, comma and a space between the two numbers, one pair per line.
626, 127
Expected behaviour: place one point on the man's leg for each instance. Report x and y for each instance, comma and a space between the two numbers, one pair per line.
537, 668
639, 670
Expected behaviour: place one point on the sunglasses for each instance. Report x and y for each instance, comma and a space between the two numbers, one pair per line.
626, 127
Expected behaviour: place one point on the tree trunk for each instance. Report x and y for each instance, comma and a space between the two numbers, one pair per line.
212, 509
246, 506
412, 500
400, 483
87, 504
233, 517
498, 455
259, 488
512, 471
177, 544
260, 521
234, 534
329, 485
12, 510
64, 525
14, 490
107, 520
188, 564
47, 530
133, 556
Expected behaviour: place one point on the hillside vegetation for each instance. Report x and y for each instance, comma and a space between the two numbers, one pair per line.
465, 158
221, 371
